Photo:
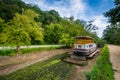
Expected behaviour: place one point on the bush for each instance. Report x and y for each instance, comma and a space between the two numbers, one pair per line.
100, 43
8, 52
103, 67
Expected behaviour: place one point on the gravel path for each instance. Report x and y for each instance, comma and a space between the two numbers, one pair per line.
115, 59
10, 64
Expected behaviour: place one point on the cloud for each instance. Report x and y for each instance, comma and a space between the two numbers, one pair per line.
101, 22
77, 8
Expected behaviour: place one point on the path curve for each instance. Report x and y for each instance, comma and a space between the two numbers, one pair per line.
115, 60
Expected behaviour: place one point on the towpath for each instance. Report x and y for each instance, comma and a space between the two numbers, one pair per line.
115, 60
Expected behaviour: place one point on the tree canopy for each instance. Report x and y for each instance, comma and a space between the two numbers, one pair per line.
22, 29
114, 13
25, 24
112, 32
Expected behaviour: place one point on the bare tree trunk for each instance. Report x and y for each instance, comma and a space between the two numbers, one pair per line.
17, 48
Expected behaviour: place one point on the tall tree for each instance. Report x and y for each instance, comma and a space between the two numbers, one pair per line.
66, 39
90, 27
21, 30
53, 33
8, 8
114, 13
112, 34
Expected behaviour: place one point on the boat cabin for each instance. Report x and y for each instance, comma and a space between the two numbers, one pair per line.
84, 45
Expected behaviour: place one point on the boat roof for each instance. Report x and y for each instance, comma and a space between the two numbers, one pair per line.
83, 37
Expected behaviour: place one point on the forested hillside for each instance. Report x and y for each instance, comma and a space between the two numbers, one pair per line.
25, 24
112, 32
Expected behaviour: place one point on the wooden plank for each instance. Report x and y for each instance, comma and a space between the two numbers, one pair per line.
91, 55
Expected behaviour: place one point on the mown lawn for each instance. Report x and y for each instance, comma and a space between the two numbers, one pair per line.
51, 69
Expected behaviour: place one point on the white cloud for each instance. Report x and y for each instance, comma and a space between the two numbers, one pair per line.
77, 5
101, 22
77, 8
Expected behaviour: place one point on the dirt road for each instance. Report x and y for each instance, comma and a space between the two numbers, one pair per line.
10, 64
115, 59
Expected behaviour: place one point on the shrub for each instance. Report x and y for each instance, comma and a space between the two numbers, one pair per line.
6, 52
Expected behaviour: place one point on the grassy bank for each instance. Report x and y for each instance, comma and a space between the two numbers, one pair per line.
51, 69
11, 52
103, 67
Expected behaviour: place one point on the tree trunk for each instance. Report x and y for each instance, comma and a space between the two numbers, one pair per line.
17, 48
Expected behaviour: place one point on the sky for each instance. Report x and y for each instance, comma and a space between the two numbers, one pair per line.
81, 9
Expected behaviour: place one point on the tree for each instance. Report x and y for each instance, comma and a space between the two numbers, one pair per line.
112, 34
71, 19
90, 27
21, 30
9, 7
114, 13
53, 33
117, 2
55, 13
67, 40
12, 35
2, 24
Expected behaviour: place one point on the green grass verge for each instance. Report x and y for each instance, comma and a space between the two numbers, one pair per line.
11, 52
51, 69
103, 67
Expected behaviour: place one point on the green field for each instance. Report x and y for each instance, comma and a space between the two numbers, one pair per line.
51, 69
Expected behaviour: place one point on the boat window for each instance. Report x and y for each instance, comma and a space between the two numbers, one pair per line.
87, 46
90, 45
79, 46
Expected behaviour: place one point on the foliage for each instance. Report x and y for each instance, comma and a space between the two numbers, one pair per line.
21, 29
103, 67
100, 42
117, 2
51, 17
90, 27
53, 33
67, 40
9, 7
16, 14
114, 13
7, 52
74, 28
2, 24
112, 34
51, 69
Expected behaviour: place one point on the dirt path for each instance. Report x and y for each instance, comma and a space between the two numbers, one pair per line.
79, 72
11, 64
115, 59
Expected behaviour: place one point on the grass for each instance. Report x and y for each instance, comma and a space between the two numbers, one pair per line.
51, 69
103, 67
12, 52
